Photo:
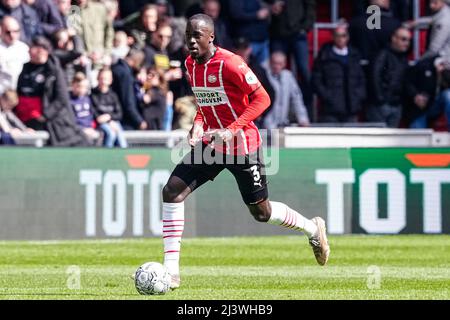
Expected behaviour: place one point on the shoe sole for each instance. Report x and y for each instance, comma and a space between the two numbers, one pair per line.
323, 259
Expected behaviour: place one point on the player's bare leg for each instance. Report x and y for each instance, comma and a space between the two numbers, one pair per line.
278, 213
174, 194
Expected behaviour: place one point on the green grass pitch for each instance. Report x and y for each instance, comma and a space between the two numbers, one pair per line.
253, 268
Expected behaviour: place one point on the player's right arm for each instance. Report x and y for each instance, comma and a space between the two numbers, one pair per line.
196, 132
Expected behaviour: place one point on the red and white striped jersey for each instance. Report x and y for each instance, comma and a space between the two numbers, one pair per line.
221, 87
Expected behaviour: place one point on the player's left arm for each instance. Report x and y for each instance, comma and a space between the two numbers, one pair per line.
259, 100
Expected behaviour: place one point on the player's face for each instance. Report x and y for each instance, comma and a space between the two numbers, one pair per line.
198, 39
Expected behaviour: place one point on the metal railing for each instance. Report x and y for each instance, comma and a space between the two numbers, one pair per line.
167, 139
359, 135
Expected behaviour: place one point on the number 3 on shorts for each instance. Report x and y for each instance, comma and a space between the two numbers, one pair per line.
256, 175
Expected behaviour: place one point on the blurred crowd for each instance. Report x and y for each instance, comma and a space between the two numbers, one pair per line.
85, 71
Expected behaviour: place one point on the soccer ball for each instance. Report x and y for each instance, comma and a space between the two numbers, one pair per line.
152, 278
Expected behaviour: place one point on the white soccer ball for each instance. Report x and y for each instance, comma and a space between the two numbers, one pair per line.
152, 278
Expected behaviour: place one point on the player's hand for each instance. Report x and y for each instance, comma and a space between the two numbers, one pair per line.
223, 134
195, 135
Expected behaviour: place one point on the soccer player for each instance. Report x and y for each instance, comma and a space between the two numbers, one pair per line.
229, 97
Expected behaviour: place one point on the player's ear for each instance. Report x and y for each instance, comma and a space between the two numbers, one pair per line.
211, 38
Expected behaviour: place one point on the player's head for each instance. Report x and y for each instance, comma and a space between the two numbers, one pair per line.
199, 35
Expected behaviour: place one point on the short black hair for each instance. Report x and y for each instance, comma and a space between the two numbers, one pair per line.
41, 41
205, 18
241, 43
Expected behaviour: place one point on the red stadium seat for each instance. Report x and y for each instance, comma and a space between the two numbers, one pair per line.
440, 124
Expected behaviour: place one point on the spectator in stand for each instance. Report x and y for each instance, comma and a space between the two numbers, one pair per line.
156, 53
140, 78
44, 100
222, 36
155, 99
64, 9
128, 8
388, 76
50, 18
165, 8
339, 80
13, 54
108, 111
158, 56
9, 122
251, 21
443, 101
424, 81
120, 46
176, 52
70, 52
97, 32
198, 7
176, 47
82, 107
401, 9
242, 48
27, 17
123, 86
291, 22
141, 30
194, 8
112, 8
287, 95
370, 42
439, 35
186, 110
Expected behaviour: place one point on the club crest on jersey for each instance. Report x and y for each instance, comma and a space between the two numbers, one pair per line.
212, 78
251, 78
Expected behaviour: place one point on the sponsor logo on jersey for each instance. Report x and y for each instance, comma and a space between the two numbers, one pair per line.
207, 97
251, 78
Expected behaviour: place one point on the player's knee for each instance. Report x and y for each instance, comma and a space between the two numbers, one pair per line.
260, 213
172, 195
